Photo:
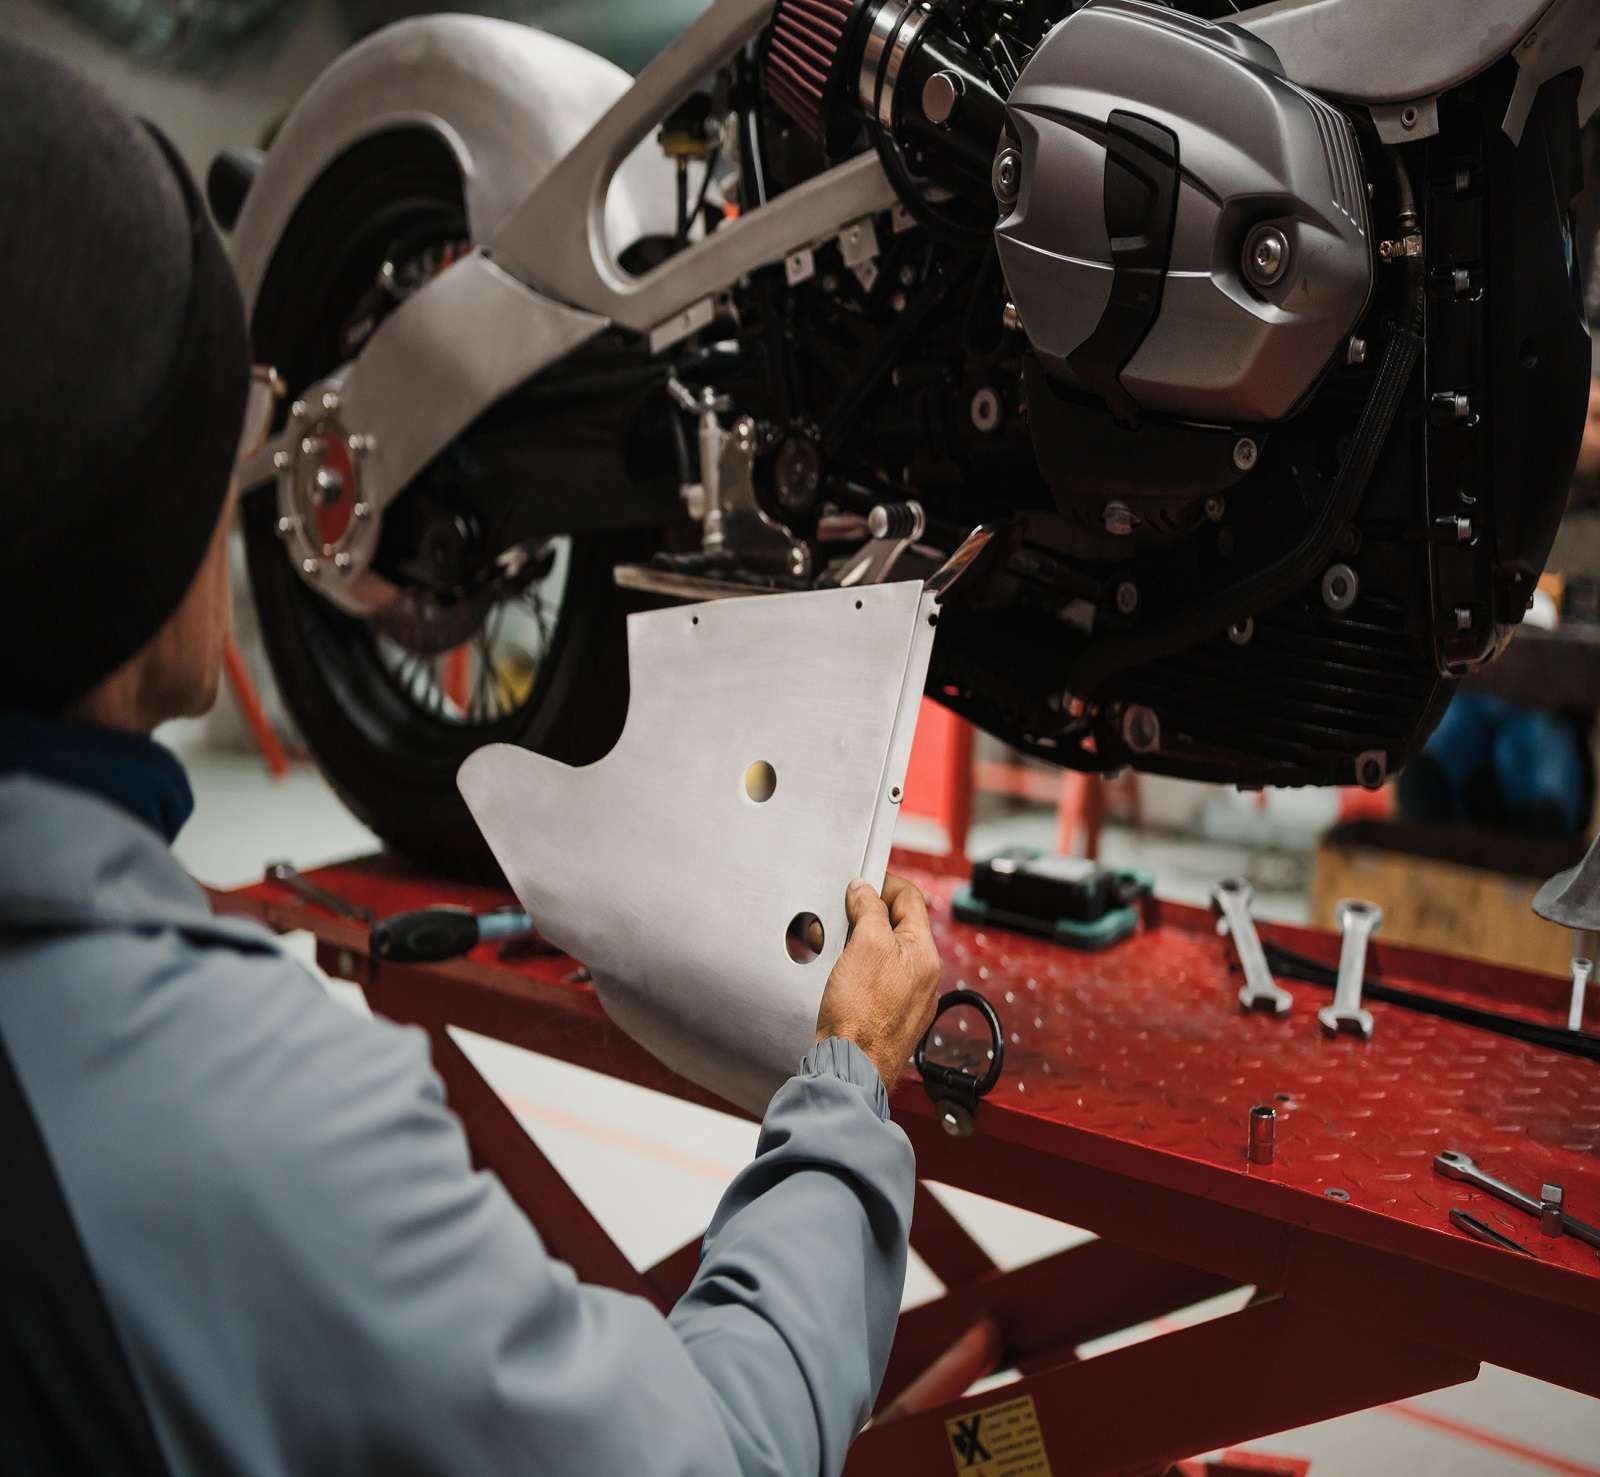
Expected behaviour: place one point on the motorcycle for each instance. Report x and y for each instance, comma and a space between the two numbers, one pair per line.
1254, 340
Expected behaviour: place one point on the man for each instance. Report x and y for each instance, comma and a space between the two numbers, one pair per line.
241, 1231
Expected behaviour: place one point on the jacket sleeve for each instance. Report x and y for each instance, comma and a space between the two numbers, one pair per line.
309, 1274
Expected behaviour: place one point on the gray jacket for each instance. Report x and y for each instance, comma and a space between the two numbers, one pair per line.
306, 1272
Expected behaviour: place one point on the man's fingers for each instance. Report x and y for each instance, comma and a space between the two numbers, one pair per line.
908, 909
863, 905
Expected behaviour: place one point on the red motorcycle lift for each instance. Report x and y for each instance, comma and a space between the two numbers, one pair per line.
1124, 1107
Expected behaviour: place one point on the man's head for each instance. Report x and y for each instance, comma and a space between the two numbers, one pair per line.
121, 401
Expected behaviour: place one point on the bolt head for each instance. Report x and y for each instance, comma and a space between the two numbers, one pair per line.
1141, 730
1340, 588
1118, 519
285, 527
342, 559
1245, 453
1266, 256
298, 410
361, 510
310, 567
1127, 597
1241, 631
1006, 176
330, 401
1215, 507
280, 461
1356, 351
1011, 318
312, 447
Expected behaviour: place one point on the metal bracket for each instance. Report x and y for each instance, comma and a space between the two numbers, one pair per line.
954, 1091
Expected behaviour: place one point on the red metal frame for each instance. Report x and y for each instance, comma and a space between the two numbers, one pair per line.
1122, 1110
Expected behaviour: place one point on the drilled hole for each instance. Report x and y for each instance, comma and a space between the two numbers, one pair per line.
760, 781
804, 938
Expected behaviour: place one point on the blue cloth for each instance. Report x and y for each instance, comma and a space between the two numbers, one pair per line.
131, 771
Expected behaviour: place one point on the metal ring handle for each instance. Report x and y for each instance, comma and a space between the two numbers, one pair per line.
980, 1085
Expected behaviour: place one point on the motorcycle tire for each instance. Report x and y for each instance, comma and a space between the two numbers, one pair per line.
392, 762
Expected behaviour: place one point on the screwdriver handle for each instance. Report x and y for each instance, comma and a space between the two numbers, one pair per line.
426, 936
432, 935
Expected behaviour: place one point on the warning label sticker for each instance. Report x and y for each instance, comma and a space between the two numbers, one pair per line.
1001, 1441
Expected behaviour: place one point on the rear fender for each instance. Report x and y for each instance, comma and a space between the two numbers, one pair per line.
508, 100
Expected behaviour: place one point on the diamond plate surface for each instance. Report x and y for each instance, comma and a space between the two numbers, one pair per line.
1145, 1043
1140, 1058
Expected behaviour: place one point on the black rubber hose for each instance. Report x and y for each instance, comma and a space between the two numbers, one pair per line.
1295, 966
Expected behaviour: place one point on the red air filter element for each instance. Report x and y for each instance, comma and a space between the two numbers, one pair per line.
802, 56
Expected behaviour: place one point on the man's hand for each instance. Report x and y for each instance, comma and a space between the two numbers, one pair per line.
883, 990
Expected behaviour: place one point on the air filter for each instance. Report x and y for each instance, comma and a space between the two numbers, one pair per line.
803, 56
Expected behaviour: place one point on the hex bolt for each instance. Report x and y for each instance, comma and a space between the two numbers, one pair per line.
280, 461
310, 567
1581, 970
342, 559
1551, 1218
298, 410
1263, 1142
1127, 597
1214, 508
1245, 453
285, 527
1011, 318
330, 401
1355, 352
361, 510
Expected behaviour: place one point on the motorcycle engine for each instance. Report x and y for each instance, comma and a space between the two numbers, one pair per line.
1263, 521
1186, 229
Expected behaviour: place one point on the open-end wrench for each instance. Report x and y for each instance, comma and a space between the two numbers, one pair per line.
1230, 900
1358, 921
1454, 1165
284, 873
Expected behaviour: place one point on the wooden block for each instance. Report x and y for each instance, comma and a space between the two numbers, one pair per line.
1441, 905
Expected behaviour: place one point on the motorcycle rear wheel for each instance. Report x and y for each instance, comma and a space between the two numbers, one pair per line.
375, 723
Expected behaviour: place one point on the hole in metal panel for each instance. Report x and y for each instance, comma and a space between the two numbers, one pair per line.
760, 781
804, 937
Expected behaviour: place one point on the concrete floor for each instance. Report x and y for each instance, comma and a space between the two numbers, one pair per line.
652, 1168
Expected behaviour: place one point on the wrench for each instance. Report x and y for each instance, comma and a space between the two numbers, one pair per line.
1582, 969
1358, 921
284, 873
1231, 899
1454, 1165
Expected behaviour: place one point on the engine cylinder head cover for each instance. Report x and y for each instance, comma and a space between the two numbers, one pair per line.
1190, 234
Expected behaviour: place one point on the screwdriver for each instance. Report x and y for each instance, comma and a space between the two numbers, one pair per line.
432, 935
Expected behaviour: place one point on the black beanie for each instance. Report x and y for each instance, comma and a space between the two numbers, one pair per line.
123, 378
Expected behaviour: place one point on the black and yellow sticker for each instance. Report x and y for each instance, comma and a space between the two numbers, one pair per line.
1000, 1441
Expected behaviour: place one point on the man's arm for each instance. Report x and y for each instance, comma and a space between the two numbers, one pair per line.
309, 1275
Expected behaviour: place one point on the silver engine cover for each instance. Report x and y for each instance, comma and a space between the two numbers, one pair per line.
1147, 302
